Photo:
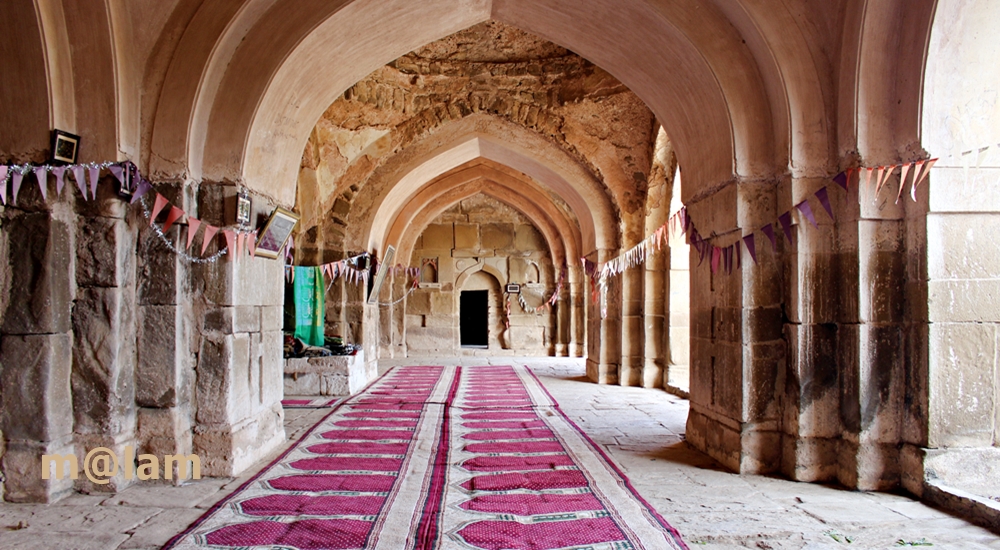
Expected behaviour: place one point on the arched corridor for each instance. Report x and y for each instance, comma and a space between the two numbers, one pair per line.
773, 218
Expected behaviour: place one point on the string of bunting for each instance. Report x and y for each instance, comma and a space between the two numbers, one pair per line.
871, 181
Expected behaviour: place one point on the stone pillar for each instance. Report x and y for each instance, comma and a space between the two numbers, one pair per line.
876, 385
633, 333
104, 328
564, 314
579, 287
165, 348
604, 329
715, 422
657, 288
240, 368
763, 345
36, 345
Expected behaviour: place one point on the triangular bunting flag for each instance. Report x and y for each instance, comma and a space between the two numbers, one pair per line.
16, 178
206, 238
158, 205
824, 200
751, 246
60, 182
769, 231
739, 256
807, 212
927, 169
3, 189
966, 164
172, 216
981, 156
878, 182
140, 190
193, 225
81, 182
118, 170
240, 239
841, 179
716, 255
230, 241
786, 225
95, 176
903, 170
42, 175
252, 243
868, 181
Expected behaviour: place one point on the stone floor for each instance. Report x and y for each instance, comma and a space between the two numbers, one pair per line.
641, 429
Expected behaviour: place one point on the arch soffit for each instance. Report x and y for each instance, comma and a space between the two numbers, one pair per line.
279, 79
434, 199
465, 140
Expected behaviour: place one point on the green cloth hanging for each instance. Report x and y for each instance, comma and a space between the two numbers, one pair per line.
310, 313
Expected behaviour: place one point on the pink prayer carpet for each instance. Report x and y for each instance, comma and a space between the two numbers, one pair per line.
439, 457
320, 403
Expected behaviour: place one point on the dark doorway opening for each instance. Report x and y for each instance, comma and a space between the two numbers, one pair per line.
473, 318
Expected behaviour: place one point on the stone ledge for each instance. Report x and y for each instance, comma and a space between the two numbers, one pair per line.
335, 375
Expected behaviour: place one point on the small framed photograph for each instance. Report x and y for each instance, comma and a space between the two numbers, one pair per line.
243, 208
513, 288
276, 231
383, 268
65, 147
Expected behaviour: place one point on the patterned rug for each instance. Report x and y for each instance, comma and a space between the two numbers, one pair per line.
439, 457
320, 403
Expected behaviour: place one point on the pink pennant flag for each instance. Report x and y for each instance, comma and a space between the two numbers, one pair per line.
240, 239
807, 212
3, 179
81, 183
60, 183
824, 200
206, 238
42, 175
786, 225
885, 179
16, 178
868, 180
769, 231
751, 246
158, 205
230, 241
95, 175
927, 168
878, 182
903, 169
716, 255
172, 216
252, 243
193, 225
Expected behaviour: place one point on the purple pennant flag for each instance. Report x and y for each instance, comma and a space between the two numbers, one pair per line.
807, 212
141, 189
729, 259
42, 175
119, 172
769, 231
739, 256
716, 255
841, 180
786, 225
16, 178
824, 199
60, 182
751, 246
3, 180
81, 183
95, 174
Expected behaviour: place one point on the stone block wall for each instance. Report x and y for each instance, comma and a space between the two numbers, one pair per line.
482, 244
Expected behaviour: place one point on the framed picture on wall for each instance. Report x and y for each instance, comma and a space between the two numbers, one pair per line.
65, 147
383, 268
276, 231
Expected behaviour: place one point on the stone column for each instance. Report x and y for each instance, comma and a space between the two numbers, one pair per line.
657, 288
165, 351
104, 327
240, 368
604, 334
633, 333
36, 345
579, 296
564, 314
